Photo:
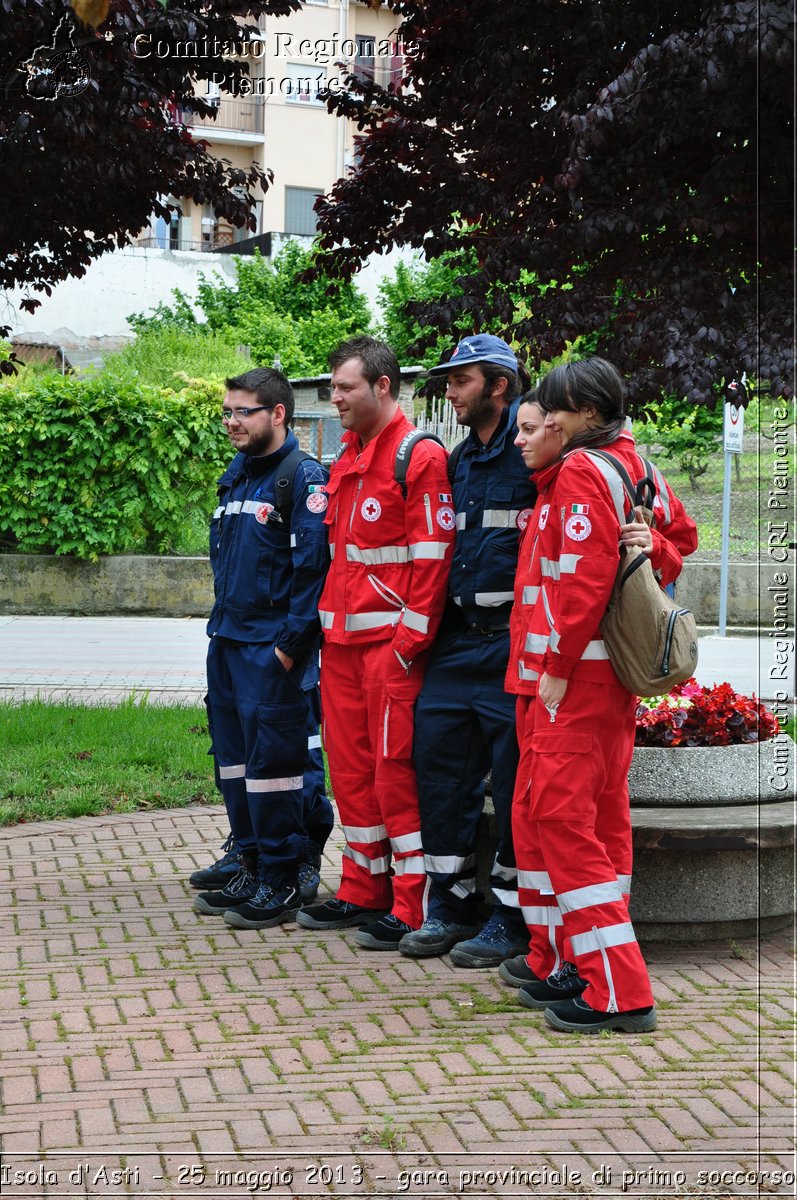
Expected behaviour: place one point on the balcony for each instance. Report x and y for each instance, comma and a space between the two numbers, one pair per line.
240, 120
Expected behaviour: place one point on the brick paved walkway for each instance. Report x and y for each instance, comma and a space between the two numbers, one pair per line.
140, 1038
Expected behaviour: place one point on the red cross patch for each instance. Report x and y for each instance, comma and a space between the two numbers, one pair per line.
371, 509
262, 513
578, 528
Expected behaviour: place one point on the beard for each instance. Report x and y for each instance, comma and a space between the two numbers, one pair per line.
481, 411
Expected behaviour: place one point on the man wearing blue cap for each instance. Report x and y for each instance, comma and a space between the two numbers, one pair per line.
464, 720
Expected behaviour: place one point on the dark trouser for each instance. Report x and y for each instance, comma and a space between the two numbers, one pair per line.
259, 718
464, 726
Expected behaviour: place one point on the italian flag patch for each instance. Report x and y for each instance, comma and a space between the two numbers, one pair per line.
579, 509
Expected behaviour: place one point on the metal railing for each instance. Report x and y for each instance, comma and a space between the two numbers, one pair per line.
241, 116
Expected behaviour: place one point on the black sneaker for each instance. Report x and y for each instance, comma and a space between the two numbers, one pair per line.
269, 906
310, 875
384, 934
335, 914
564, 984
516, 971
241, 888
576, 1016
221, 873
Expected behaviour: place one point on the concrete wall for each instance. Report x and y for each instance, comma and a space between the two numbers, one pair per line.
178, 587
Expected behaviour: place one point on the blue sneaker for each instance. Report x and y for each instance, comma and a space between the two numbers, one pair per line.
271, 905
310, 875
434, 938
499, 939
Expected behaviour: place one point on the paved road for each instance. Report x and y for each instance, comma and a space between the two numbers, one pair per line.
101, 658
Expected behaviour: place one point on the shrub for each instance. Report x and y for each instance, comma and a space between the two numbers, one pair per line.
105, 466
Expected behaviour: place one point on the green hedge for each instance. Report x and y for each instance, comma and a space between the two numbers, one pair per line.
104, 466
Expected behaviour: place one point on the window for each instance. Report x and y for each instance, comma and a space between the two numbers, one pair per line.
299, 215
301, 84
364, 61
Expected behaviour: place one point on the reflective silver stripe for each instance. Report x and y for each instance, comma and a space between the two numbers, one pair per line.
539, 881
370, 620
233, 507
364, 833
327, 619
663, 494
536, 643
409, 866
252, 506
428, 550
293, 541
236, 772
457, 600
624, 882
499, 871
381, 554
288, 783
414, 620
526, 673
568, 563
615, 485
549, 568
493, 599
530, 595
595, 650
585, 897
314, 742
461, 519
541, 914
603, 939
331, 549
506, 897
218, 512
463, 888
406, 842
448, 864
375, 866
500, 518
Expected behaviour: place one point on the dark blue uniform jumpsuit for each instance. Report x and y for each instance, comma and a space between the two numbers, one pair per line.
464, 720
268, 566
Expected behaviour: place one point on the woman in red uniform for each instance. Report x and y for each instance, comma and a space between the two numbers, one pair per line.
571, 818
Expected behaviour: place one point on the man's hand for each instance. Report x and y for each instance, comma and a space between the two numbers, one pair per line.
283, 657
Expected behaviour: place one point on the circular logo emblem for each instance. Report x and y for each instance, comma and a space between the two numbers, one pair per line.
543, 521
578, 528
316, 502
371, 509
262, 513
445, 517
523, 518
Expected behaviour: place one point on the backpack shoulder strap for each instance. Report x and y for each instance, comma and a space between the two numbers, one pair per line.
404, 454
625, 479
283, 484
454, 458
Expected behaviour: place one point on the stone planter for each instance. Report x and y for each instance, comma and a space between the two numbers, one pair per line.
713, 840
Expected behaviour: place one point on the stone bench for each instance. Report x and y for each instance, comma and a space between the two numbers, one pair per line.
700, 873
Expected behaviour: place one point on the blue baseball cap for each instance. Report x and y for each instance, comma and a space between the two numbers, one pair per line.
480, 348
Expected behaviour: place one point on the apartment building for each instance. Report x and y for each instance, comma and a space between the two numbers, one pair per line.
278, 121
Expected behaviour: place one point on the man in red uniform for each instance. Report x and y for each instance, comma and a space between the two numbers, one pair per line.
380, 608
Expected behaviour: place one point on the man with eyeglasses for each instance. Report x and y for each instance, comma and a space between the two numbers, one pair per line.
269, 554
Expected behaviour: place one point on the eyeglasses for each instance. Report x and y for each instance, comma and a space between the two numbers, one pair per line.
241, 414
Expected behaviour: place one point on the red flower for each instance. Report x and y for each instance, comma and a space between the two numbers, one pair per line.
691, 715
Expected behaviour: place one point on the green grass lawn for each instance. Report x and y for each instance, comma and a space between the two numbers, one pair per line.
69, 760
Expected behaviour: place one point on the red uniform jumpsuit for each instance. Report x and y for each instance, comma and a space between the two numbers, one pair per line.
571, 818
380, 608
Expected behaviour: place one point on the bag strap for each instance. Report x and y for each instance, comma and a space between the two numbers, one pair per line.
640, 494
454, 458
286, 473
404, 454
